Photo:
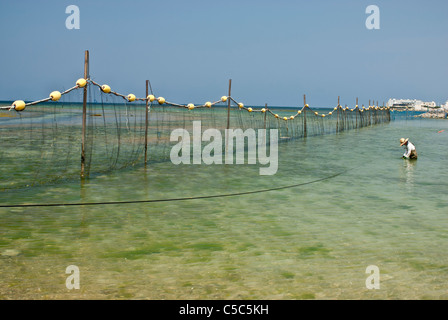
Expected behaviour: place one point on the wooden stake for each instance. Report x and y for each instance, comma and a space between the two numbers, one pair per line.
304, 116
345, 126
84, 116
265, 114
228, 114
228, 104
337, 115
146, 122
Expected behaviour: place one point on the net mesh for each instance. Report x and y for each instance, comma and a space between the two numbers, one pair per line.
42, 144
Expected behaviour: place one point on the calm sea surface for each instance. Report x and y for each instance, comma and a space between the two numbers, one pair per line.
309, 242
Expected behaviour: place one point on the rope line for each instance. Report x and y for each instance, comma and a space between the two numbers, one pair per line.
20, 105
172, 199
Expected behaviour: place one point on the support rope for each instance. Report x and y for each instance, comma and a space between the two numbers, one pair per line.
171, 199
20, 105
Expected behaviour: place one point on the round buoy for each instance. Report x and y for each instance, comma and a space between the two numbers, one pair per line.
81, 82
223, 98
190, 106
161, 100
105, 88
151, 98
276, 115
299, 112
240, 105
19, 105
208, 104
291, 117
55, 95
131, 97
249, 109
263, 110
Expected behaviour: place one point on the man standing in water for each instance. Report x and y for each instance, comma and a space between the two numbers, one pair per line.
411, 152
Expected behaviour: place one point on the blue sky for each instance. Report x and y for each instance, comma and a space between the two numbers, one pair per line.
274, 51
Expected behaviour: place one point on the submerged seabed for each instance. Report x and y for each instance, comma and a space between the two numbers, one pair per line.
308, 242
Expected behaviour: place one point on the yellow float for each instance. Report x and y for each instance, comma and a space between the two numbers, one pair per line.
105, 88
19, 105
55, 95
81, 83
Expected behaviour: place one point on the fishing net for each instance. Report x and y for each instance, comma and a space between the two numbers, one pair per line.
42, 143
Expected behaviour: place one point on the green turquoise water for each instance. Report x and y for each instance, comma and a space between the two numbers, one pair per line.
310, 242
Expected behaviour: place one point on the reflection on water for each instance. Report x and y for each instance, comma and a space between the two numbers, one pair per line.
407, 173
310, 242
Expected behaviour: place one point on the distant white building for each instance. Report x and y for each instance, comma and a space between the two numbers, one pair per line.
414, 104
445, 106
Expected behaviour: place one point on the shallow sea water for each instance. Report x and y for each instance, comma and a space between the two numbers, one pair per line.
308, 242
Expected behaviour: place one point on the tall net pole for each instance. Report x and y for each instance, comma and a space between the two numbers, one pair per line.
228, 115
146, 121
304, 116
84, 116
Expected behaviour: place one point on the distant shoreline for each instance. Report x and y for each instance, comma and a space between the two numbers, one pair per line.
442, 114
